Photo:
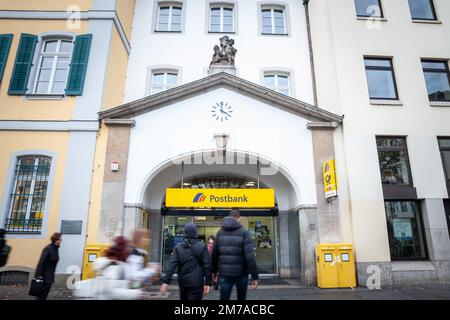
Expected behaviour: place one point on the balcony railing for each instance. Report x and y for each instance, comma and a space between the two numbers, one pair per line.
23, 225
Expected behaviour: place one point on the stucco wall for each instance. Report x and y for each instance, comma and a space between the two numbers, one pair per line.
187, 126
340, 41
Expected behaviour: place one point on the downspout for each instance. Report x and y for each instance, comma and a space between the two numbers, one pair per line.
311, 53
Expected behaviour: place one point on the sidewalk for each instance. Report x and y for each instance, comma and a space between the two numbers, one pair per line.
293, 291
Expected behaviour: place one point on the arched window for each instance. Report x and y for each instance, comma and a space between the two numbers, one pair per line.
163, 79
169, 17
221, 18
273, 20
53, 66
278, 81
27, 200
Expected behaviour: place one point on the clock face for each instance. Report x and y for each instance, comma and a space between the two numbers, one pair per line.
222, 111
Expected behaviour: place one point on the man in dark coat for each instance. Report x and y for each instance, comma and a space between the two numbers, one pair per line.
46, 267
191, 260
233, 258
4, 249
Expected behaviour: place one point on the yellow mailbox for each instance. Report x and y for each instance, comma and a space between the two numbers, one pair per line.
335, 265
91, 253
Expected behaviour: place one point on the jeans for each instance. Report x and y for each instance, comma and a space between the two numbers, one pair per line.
191, 293
227, 283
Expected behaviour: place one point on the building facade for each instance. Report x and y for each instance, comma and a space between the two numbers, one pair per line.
61, 62
362, 85
168, 132
384, 66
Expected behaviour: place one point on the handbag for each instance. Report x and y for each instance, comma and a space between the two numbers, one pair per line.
36, 288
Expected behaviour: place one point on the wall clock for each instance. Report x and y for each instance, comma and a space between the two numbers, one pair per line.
222, 111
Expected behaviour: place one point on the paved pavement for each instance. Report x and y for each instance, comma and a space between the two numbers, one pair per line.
293, 291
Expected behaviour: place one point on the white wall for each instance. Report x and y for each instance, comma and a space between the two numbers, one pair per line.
192, 50
340, 41
255, 127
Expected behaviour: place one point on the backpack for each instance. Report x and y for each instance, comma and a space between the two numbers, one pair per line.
4, 254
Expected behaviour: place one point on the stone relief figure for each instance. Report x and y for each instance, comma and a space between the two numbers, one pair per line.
225, 54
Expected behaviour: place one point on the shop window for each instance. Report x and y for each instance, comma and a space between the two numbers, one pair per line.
437, 79
27, 200
406, 236
369, 8
444, 146
422, 9
394, 161
380, 78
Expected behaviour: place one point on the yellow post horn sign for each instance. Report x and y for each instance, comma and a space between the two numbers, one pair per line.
220, 198
329, 178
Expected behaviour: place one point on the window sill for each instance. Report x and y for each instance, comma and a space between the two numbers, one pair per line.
162, 31
381, 102
426, 21
219, 32
274, 34
372, 19
439, 103
45, 96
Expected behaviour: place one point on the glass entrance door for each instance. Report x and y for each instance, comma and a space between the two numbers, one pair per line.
261, 230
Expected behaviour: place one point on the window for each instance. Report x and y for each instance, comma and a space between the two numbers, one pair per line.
406, 240
369, 8
278, 82
29, 193
394, 161
437, 78
221, 19
53, 66
422, 9
447, 212
444, 146
381, 78
163, 80
169, 18
273, 21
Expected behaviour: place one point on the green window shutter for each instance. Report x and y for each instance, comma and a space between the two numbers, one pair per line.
22, 65
5, 44
78, 66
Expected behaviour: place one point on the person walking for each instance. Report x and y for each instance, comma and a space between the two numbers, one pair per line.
140, 274
210, 245
113, 274
4, 248
190, 259
46, 266
233, 258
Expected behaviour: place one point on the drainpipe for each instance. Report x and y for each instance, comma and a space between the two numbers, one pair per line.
311, 53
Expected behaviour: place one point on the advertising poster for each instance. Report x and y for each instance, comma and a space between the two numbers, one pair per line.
402, 229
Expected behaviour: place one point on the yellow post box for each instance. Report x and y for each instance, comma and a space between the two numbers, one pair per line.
335, 265
91, 253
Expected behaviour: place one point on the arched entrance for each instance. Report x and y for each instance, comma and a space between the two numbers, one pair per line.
277, 245
259, 222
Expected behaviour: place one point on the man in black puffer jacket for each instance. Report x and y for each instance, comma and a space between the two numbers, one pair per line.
190, 259
234, 258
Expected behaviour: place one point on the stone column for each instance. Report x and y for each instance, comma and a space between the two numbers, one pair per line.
328, 217
437, 237
112, 211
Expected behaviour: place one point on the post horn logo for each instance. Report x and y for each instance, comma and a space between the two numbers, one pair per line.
199, 197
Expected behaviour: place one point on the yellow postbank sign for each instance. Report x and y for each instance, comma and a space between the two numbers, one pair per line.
329, 178
220, 198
